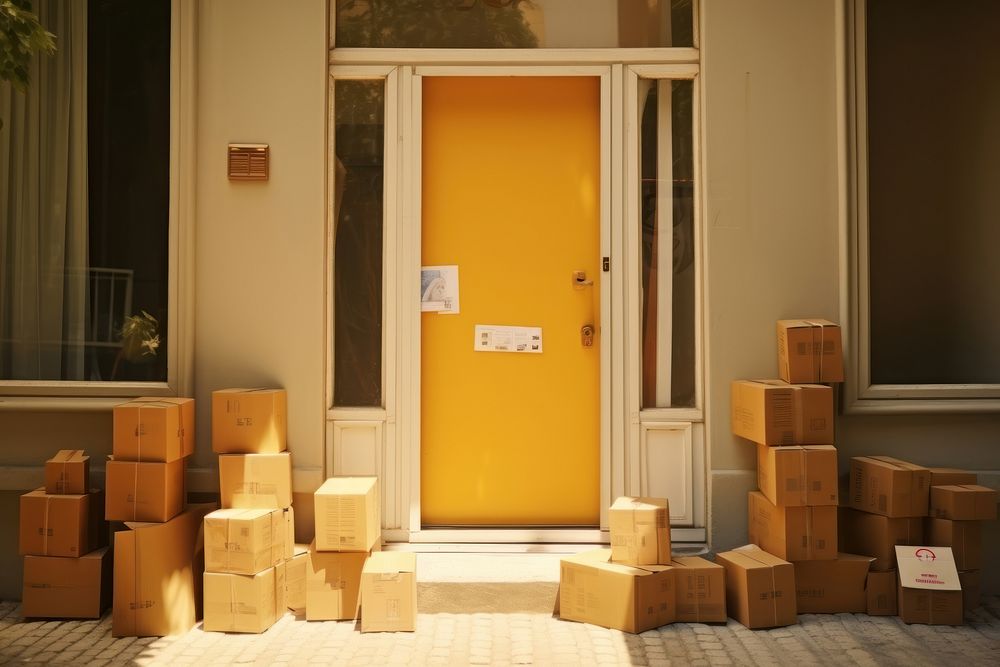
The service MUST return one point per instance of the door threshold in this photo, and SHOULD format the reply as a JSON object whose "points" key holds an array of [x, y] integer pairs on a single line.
{"points": [[493, 536]]}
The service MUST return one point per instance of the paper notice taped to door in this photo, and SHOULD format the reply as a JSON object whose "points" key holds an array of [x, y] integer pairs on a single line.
{"points": [[494, 338]]}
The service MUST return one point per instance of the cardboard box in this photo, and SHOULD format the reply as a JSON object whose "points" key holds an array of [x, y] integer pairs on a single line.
{"points": [[158, 575], [68, 472], [888, 486], [773, 412], [930, 591], [810, 351], [244, 541], [281, 588], [701, 590], [793, 533], [881, 593], [964, 537], [242, 603], [348, 515], [57, 587], [877, 535], [972, 588], [640, 531], [832, 586], [144, 491], [631, 598], [255, 481], [760, 587], [798, 475], [152, 429], [969, 502], [249, 421], [61, 525], [951, 476], [333, 584], [295, 579], [389, 592]]}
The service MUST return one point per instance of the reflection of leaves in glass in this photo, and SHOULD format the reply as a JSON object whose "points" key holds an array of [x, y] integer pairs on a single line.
{"points": [[20, 36]]}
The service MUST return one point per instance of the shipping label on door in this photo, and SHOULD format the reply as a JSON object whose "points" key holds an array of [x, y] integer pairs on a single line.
{"points": [[494, 338]]}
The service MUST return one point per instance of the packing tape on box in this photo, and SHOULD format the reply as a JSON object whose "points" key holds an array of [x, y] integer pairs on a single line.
{"points": [[809, 533], [45, 527], [803, 477], [812, 343]]}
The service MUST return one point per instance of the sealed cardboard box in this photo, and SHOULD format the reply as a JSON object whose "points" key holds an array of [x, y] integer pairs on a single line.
{"points": [[968, 502], [144, 491], [930, 591], [964, 538], [56, 587], [333, 584], [158, 575], [798, 475], [760, 587], [389, 592], [888, 486], [773, 412], [60, 525], [347, 514], [972, 588], [255, 481], [810, 351], [244, 541], [701, 590], [793, 533], [950, 476], [295, 579], [154, 429], [249, 421], [881, 593], [640, 531], [68, 472], [631, 598], [241, 603], [832, 586], [877, 535]]}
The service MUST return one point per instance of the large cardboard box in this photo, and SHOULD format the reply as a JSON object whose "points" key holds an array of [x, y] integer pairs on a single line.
{"points": [[68, 472], [242, 603], [295, 579], [964, 537], [701, 590], [144, 491], [347, 514], [930, 591], [760, 587], [972, 588], [832, 586], [333, 584], [773, 412], [969, 502], [881, 593], [244, 541], [631, 598], [249, 421], [810, 351], [61, 525], [798, 475], [389, 592], [888, 486], [876, 535], [158, 575], [154, 429], [640, 531], [255, 481], [950, 476], [56, 587], [793, 533]]}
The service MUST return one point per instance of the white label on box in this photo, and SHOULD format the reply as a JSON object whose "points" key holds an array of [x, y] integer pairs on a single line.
{"points": [[493, 338], [931, 568]]}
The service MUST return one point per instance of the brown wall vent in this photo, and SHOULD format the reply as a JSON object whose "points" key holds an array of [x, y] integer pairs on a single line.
{"points": [[249, 162]]}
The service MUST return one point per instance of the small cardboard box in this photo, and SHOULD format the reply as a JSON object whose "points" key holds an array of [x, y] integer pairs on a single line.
{"points": [[793, 533], [158, 575], [969, 502], [810, 351], [255, 481], [242, 603], [68, 472], [640, 531], [244, 541], [295, 579], [882, 597], [333, 584], [951, 476], [832, 586], [701, 590], [154, 429], [249, 421], [773, 412], [630, 598], [888, 486], [144, 491], [760, 587], [972, 588], [57, 587], [964, 537], [798, 475], [930, 591], [347, 514], [61, 525], [389, 592], [877, 535]]}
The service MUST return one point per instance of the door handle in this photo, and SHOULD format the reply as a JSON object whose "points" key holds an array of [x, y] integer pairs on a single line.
{"points": [[580, 279], [587, 335]]}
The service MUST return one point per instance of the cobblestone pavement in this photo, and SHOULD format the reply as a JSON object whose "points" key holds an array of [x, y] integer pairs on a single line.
{"points": [[515, 639]]}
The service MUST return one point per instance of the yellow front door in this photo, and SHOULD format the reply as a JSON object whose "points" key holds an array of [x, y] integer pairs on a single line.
{"points": [[511, 196]]}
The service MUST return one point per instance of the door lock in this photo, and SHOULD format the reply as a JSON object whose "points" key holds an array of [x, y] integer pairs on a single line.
{"points": [[587, 335], [580, 279]]}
